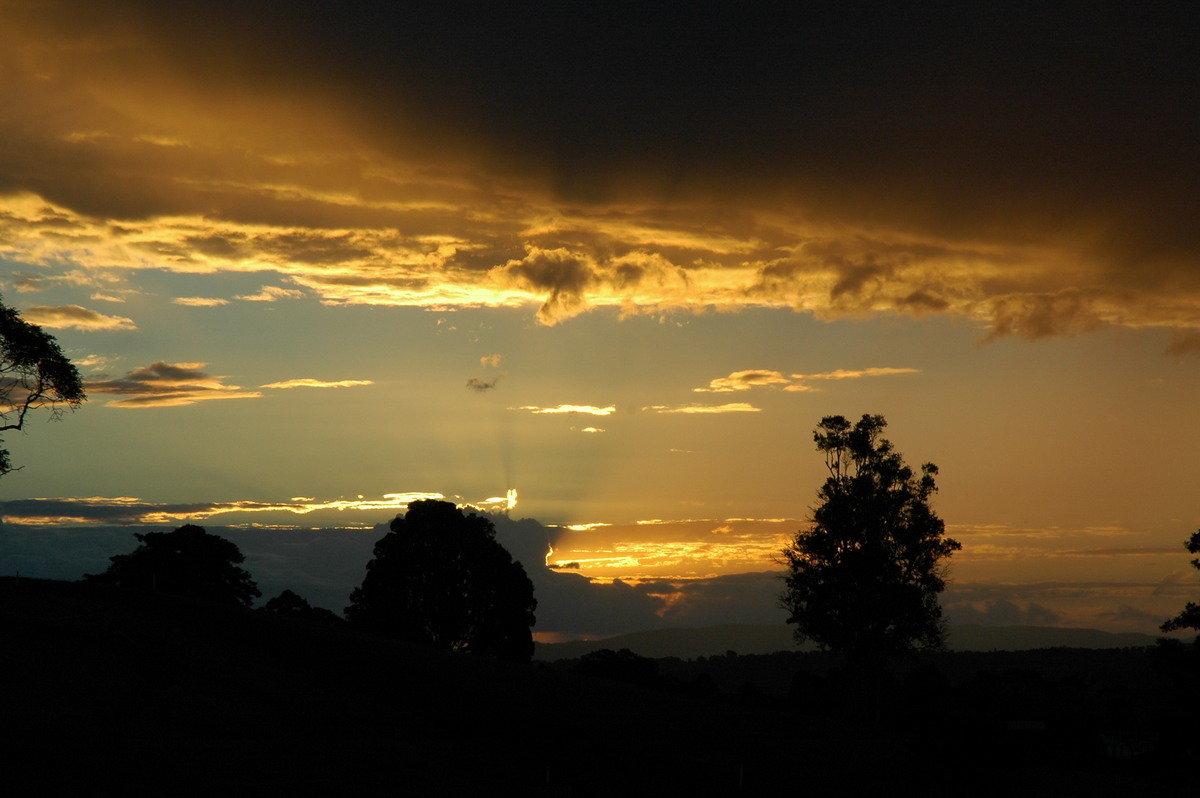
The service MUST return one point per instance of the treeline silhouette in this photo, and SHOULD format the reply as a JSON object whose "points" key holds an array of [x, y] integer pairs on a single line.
{"points": [[156, 676], [438, 577]]}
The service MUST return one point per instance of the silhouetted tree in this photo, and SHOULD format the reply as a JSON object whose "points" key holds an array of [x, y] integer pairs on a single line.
{"points": [[34, 373], [1189, 618], [295, 606], [440, 577], [864, 577], [184, 562]]}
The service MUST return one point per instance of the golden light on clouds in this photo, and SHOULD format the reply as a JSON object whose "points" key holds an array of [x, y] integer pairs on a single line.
{"points": [[796, 383], [454, 264], [664, 549], [587, 410], [226, 166], [272, 293], [74, 316], [744, 381], [307, 382], [696, 409], [132, 510], [200, 302]]}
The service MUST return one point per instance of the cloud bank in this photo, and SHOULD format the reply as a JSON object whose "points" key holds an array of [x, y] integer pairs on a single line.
{"points": [[1034, 179]]}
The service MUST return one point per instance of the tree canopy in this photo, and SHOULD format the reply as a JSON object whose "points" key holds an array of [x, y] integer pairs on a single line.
{"points": [[441, 577], [34, 373], [293, 605], [864, 577], [1189, 617], [184, 562]]}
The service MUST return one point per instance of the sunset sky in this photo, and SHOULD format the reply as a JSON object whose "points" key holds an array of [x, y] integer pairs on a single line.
{"points": [[317, 259]]}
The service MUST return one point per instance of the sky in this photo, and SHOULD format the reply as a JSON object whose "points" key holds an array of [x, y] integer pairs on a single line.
{"points": [[606, 266]]}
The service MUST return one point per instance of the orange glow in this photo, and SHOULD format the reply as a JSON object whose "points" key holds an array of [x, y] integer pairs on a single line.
{"points": [[686, 549]]}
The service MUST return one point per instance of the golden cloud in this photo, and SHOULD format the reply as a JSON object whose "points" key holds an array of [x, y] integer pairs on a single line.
{"points": [[754, 378], [744, 381], [694, 409], [307, 382], [75, 317], [131, 510], [200, 301], [590, 410], [272, 293]]}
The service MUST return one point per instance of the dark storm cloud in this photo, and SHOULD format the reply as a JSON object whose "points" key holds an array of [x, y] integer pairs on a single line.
{"points": [[927, 105], [1030, 167], [100, 510], [562, 275]]}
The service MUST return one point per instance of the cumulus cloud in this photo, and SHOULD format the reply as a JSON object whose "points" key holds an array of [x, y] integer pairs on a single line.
{"points": [[589, 410], [163, 384], [308, 382], [562, 275], [75, 317]]}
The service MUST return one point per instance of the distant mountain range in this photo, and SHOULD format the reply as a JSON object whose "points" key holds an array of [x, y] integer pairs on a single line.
{"points": [[756, 639]]}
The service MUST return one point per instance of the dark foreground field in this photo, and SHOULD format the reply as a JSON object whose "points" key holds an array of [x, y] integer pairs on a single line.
{"points": [[149, 694]]}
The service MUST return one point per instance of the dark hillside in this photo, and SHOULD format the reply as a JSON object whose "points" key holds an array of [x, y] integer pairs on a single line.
{"points": [[155, 693], [149, 694]]}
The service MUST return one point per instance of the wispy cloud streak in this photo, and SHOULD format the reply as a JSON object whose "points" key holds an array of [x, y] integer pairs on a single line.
{"points": [[307, 382], [588, 410], [696, 409], [75, 317], [163, 384]]}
